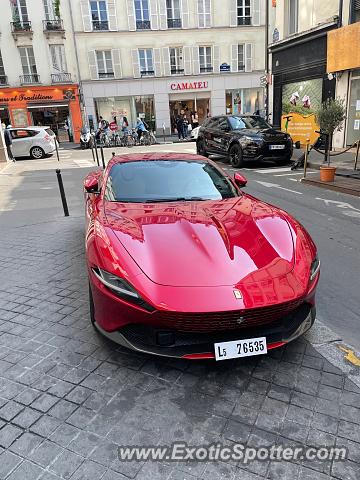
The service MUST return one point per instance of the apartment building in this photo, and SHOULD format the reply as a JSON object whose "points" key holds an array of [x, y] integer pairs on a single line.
{"points": [[38, 74], [158, 58]]}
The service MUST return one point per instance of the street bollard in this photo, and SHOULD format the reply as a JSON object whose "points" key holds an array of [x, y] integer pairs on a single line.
{"points": [[357, 154], [164, 132], [92, 152], [57, 149], [96, 153], [62, 192], [113, 154], [102, 157], [306, 156]]}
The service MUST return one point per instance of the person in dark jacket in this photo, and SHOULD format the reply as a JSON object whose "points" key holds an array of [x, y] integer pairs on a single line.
{"points": [[180, 127], [8, 143]]}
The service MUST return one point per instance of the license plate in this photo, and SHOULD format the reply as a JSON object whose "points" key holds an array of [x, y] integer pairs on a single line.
{"points": [[240, 348], [277, 147]]}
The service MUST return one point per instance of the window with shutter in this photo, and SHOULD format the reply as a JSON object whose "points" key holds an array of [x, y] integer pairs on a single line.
{"points": [[204, 13], [93, 65], [173, 10], [142, 15], [154, 17], [130, 7], [187, 60], [86, 15], [241, 57], [176, 61], [243, 12], [146, 63], [135, 62], [99, 15], [57, 53], [162, 14], [111, 5], [248, 57], [205, 59], [116, 60], [104, 64]]}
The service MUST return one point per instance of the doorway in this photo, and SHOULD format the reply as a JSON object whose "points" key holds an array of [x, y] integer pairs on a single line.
{"points": [[57, 118], [187, 107]]}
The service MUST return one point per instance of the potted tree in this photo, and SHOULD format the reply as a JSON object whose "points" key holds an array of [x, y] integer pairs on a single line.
{"points": [[330, 117]]}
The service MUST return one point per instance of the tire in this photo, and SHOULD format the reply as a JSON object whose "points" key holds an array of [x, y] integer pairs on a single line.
{"points": [[200, 148], [236, 156], [37, 152]]}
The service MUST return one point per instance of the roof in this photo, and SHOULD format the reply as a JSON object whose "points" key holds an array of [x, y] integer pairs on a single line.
{"points": [[134, 157]]}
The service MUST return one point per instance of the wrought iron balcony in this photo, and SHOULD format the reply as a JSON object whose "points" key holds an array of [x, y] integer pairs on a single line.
{"points": [[147, 73], [143, 25], [53, 25], [29, 79], [206, 69], [106, 74], [100, 25], [174, 22], [61, 78], [3, 80], [243, 21], [177, 71], [21, 27]]}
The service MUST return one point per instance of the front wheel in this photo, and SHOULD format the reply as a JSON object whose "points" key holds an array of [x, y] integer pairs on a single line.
{"points": [[37, 152], [236, 156], [200, 148]]}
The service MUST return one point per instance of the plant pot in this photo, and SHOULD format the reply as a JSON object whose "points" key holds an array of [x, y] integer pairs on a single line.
{"points": [[327, 174]]}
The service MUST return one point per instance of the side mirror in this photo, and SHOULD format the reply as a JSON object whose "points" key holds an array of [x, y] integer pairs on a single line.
{"points": [[240, 180], [91, 184]]}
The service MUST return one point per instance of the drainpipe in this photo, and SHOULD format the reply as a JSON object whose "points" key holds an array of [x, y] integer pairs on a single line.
{"points": [[267, 58], [341, 7], [77, 60]]}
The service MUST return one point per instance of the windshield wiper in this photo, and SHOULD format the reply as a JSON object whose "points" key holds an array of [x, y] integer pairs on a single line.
{"points": [[177, 199]]}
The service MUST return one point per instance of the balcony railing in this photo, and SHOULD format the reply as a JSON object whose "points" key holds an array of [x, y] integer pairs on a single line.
{"points": [[53, 25], [106, 74], [61, 78], [206, 69], [177, 71], [21, 27], [244, 21], [29, 79], [143, 25], [174, 23], [147, 73], [100, 25], [3, 80]]}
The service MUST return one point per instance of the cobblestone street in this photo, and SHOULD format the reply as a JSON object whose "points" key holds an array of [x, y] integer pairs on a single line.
{"points": [[69, 398]]}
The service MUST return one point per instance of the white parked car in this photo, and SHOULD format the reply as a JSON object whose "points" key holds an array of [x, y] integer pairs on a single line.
{"points": [[35, 142], [194, 134]]}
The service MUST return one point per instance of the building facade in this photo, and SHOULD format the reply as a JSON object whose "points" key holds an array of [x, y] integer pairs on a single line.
{"points": [[343, 63], [156, 59], [38, 73], [298, 32]]}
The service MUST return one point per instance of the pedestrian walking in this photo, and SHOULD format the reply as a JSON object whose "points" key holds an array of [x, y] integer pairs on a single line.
{"points": [[180, 127], [8, 142], [195, 120], [185, 126]]}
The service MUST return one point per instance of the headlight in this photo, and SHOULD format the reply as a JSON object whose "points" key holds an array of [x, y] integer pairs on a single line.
{"points": [[121, 288], [315, 267]]}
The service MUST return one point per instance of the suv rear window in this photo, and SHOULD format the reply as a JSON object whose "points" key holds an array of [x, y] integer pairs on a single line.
{"points": [[49, 132]]}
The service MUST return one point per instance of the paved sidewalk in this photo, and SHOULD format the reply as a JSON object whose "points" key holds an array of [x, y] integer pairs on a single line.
{"points": [[69, 398]]}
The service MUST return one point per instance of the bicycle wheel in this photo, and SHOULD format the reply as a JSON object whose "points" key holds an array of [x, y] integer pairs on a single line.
{"points": [[130, 141]]}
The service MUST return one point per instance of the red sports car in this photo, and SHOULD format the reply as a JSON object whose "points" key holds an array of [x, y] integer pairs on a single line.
{"points": [[182, 263]]}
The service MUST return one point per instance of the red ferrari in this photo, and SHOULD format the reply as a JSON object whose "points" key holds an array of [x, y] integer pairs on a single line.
{"points": [[182, 263]]}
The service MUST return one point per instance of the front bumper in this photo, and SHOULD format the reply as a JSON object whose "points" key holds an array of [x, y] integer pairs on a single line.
{"points": [[262, 151], [188, 345]]}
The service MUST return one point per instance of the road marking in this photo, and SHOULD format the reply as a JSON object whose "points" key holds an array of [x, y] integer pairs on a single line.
{"points": [[338, 204], [293, 173], [272, 170], [83, 163], [275, 185], [350, 355], [293, 179]]}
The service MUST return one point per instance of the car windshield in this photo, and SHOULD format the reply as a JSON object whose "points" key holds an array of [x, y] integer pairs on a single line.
{"points": [[255, 121], [167, 181]]}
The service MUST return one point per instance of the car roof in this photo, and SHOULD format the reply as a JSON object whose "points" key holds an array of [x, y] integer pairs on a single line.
{"points": [[135, 157], [28, 128]]}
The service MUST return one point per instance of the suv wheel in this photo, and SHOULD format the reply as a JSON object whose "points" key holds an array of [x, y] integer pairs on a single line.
{"points": [[236, 156], [37, 152], [200, 148]]}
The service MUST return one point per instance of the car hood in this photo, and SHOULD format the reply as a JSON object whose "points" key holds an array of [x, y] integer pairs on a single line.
{"points": [[266, 133], [208, 243]]}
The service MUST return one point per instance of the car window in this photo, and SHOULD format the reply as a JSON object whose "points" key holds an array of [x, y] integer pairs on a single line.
{"points": [[161, 180], [255, 122], [223, 123], [18, 134], [213, 123], [49, 132], [237, 123]]}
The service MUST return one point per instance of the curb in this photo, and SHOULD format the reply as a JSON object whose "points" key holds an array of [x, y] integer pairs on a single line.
{"points": [[331, 186]]}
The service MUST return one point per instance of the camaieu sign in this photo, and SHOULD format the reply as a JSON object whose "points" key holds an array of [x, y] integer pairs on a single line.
{"points": [[189, 86]]}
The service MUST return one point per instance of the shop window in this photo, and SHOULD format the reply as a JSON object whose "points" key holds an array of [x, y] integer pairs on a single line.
{"points": [[204, 13], [176, 60], [142, 14], [355, 11], [241, 57], [244, 12], [99, 15], [28, 64], [146, 61], [57, 53], [173, 13], [104, 64], [205, 59], [293, 16]]}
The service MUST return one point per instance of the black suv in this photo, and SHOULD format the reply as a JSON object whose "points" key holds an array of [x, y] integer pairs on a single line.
{"points": [[243, 137]]}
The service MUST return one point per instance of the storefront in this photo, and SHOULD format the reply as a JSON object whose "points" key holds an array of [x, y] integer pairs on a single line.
{"points": [[160, 100], [353, 120], [56, 107], [300, 81], [245, 101]]}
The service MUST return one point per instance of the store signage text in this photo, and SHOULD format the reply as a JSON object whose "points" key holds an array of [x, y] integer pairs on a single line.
{"points": [[189, 85], [24, 98]]}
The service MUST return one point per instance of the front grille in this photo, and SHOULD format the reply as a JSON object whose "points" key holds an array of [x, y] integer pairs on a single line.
{"points": [[229, 320]]}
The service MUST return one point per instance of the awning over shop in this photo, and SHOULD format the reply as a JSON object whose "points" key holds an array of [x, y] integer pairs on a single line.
{"points": [[33, 106], [343, 52]]}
